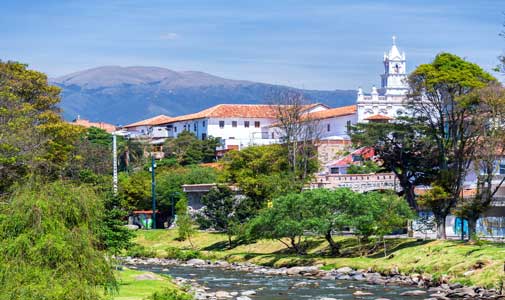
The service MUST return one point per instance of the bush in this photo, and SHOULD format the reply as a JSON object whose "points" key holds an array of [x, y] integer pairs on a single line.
{"points": [[170, 294], [176, 253], [140, 252]]}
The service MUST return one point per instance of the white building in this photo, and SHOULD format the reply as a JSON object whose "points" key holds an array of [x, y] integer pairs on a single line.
{"points": [[388, 101]]}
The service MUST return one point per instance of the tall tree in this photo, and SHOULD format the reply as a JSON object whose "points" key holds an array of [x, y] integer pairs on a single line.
{"points": [[489, 154], [439, 98], [403, 148], [298, 132]]}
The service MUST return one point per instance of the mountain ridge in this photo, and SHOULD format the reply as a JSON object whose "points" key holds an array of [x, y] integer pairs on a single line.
{"points": [[121, 95]]}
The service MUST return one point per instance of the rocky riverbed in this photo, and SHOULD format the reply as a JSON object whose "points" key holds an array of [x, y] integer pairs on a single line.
{"points": [[359, 283]]}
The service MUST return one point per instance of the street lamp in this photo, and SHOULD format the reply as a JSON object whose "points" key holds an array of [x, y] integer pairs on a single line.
{"points": [[153, 190]]}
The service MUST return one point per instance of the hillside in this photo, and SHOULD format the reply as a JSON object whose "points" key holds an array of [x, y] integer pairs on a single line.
{"points": [[121, 95]]}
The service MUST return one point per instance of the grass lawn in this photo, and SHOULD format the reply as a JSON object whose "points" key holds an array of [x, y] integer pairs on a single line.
{"points": [[133, 289], [437, 258]]}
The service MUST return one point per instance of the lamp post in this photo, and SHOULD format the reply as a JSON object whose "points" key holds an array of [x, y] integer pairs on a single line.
{"points": [[153, 191]]}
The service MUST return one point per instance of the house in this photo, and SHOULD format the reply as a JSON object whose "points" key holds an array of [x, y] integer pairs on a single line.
{"points": [[356, 157], [148, 128]]}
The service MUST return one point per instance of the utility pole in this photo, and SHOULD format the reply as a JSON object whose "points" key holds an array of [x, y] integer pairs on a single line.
{"points": [[153, 190], [114, 164]]}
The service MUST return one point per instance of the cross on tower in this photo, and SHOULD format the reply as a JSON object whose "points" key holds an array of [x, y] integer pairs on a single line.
{"points": [[394, 40]]}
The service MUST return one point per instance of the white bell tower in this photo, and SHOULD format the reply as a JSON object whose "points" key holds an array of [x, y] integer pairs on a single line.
{"points": [[394, 79]]}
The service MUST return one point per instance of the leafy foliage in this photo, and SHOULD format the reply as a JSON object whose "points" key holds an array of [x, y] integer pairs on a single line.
{"points": [[368, 167], [187, 149], [184, 222], [49, 244]]}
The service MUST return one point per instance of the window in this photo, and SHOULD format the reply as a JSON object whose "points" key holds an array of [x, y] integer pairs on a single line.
{"points": [[203, 123], [257, 124], [204, 136], [194, 126], [273, 135], [334, 171], [233, 123], [328, 127], [348, 126], [175, 128], [221, 124], [246, 124], [231, 138]]}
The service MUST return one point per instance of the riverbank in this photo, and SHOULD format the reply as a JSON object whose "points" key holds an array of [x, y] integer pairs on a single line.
{"points": [[446, 261], [139, 285]]}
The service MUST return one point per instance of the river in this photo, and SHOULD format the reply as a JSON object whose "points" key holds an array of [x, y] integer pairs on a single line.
{"points": [[281, 287]]}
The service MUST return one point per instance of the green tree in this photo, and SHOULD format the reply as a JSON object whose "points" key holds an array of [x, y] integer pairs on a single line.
{"points": [[225, 211], [403, 148], [49, 244], [331, 211], [185, 226], [286, 219], [441, 98], [261, 172], [187, 149], [33, 137]]}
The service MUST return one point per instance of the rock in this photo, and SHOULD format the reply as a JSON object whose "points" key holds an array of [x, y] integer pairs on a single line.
{"points": [[344, 270], [361, 293], [248, 293], [196, 262], [439, 296], [413, 293], [468, 273], [132, 227], [303, 271], [344, 277], [327, 298], [146, 276], [234, 294], [359, 277], [243, 298], [223, 295]]}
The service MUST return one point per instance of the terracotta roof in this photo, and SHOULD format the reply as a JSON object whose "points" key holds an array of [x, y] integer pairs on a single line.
{"points": [[334, 112], [161, 119], [365, 152], [378, 117], [86, 123], [233, 110]]}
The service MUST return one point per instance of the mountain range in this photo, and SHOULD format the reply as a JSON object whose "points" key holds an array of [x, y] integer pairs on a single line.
{"points": [[121, 95]]}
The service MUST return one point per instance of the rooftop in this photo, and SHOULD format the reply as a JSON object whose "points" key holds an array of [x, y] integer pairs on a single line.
{"points": [[334, 112], [87, 123], [161, 119]]}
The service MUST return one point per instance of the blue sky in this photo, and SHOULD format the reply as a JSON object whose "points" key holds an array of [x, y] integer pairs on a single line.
{"points": [[318, 44]]}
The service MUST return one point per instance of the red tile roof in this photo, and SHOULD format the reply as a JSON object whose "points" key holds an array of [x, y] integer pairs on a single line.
{"points": [[233, 110], [334, 112], [365, 152], [86, 123], [161, 119], [378, 117]]}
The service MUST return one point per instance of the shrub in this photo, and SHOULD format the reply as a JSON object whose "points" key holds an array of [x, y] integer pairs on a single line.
{"points": [[176, 253], [140, 252], [170, 294]]}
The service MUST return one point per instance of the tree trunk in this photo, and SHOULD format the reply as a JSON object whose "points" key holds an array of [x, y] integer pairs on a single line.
{"points": [[472, 228], [334, 247], [441, 234], [229, 241], [296, 246]]}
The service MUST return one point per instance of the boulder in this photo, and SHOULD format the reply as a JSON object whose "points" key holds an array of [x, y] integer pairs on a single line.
{"points": [[248, 293], [413, 293], [344, 270], [243, 298], [223, 295], [196, 262]]}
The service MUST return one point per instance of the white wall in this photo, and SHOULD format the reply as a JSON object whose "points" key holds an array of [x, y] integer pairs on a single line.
{"points": [[338, 126]]}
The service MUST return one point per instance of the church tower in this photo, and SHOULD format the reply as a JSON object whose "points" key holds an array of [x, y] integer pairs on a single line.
{"points": [[394, 79], [387, 102]]}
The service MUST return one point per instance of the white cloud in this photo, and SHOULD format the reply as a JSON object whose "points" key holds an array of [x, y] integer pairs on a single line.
{"points": [[170, 36]]}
